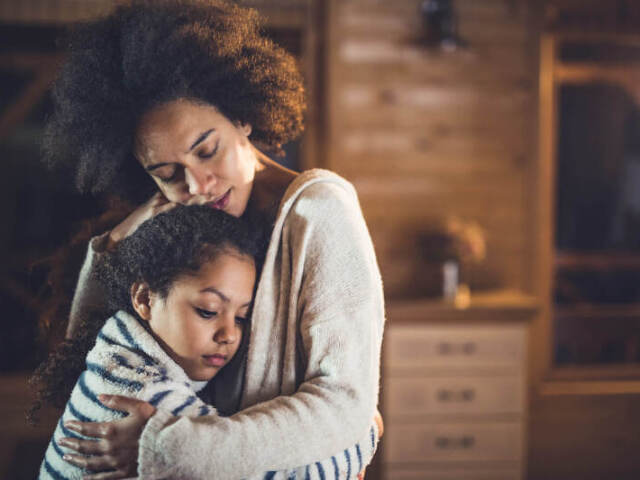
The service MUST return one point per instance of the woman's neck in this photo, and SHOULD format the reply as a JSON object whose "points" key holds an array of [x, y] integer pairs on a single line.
{"points": [[269, 186]]}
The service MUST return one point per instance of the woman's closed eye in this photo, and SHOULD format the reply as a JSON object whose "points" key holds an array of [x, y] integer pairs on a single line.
{"points": [[204, 154], [171, 178], [205, 313]]}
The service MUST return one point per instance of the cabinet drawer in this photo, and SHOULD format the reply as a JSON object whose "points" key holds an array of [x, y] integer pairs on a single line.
{"points": [[437, 442], [452, 395], [453, 474], [456, 345]]}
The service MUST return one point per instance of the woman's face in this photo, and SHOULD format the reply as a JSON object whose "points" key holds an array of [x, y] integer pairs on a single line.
{"points": [[200, 322], [196, 155]]}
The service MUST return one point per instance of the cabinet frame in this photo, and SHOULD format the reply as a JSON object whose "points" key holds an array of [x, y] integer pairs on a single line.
{"points": [[548, 379]]}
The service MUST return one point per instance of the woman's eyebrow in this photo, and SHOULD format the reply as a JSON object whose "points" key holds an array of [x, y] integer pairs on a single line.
{"points": [[151, 168], [200, 139]]}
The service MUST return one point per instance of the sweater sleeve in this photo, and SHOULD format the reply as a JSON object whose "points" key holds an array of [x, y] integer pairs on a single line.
{"points": [[341, 316], [88, 296]]}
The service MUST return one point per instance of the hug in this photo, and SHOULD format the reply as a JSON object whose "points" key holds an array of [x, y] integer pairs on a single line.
{"points": [[233, 319]]}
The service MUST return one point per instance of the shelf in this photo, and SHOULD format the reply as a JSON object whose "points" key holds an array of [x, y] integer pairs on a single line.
{"points": [[601, 260], [602, 387], [598, 311], [610, 379], [597, 372], [496, 305]]}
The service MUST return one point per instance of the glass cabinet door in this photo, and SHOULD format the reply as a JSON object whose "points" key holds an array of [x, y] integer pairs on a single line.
{"points": [[596, 269]]}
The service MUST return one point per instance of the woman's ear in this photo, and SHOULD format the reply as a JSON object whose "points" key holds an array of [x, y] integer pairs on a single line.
{"points": [[141, 300], [245, 128]]}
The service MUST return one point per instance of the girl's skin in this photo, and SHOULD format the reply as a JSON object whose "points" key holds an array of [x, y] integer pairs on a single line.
{"points": [[199, 323], [196, 156]]}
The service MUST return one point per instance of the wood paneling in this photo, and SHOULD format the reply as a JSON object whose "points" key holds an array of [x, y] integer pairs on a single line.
{"points": [[425, 135]]}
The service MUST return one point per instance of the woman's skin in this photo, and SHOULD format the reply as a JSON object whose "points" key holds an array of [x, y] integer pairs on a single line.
{"points": [[196, 156]]}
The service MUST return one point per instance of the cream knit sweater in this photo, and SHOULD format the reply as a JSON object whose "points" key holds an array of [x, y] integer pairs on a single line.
{"points": [[312, 371]]}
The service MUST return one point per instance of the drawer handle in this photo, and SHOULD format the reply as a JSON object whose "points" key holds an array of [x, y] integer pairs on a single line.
{"points": [[466, 442], [465, 395], [469, 348], [466, 348]]}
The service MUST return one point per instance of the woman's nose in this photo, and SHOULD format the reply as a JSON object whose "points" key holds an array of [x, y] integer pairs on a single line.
{"points": [[199, 181], [227, 332]]}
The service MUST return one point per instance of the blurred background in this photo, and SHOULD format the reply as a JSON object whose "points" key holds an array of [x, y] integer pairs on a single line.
{"points": [[495, 147]]}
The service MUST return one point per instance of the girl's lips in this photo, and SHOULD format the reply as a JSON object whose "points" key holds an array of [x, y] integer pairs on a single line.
{"points": [[216, 360], [222, 202]]}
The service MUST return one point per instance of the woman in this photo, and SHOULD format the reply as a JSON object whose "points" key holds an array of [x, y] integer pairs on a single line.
{"points": [[180, 92]]}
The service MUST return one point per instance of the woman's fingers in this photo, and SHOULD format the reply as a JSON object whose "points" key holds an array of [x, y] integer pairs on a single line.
{"points": [[107, 475], [156, 204], [378, 419], [104, 430], [97, 464], [87, 447], [163, 208], [116, 449], [132, 406]]}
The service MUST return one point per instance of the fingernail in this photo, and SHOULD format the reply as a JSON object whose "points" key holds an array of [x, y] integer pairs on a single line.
{"points": [[106, 399], [64, 442]]}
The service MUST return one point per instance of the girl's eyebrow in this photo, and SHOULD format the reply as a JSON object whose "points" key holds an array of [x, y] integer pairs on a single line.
{"points": [[216, 291], [221, 295], [203, 136]]}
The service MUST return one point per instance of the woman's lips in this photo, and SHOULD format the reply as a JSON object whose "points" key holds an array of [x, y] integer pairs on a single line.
{"points": [[222, 202], [216, 360]]}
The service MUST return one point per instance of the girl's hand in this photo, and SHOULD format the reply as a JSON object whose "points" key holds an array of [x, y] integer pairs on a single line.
{"points": [[155, 205], [116, 446]]}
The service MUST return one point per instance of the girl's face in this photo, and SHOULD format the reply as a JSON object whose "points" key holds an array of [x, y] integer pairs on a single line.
{"points": [[196, 155], [201, 320]]}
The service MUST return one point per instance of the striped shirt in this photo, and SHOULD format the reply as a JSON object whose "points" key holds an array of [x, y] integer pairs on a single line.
{"points": [[126, 360]]}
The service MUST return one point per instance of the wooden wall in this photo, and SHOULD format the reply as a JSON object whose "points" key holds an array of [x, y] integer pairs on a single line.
{"points": [[426, 134]]}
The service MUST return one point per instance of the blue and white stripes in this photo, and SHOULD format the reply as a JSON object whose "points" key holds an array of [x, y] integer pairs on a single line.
{"points": [[126, 360], [342, 466]]}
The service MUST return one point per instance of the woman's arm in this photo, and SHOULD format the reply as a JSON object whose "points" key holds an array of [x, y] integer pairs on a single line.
{"points": [[341, 313], [89, 295]]}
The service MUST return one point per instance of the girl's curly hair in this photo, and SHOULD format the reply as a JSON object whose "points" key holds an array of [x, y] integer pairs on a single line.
{"points": [[148, 52], [162, 250]]}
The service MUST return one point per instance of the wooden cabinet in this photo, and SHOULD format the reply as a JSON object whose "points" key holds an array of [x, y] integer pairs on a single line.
{"points": [[454, 389]]}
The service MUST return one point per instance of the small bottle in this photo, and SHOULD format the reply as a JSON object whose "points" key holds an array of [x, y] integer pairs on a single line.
{"points": [[450, 278]]}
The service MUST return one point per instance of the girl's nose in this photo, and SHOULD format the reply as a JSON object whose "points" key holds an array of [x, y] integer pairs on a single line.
{"points": [[227, 333], [199, 181]]}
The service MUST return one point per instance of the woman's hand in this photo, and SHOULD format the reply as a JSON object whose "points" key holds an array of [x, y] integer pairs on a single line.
{"points": [[155, 205], [378, 419], [116, 446]]}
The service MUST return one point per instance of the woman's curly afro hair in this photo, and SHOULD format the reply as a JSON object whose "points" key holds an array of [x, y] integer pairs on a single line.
{"points": [[162, 250], [148, 52]]}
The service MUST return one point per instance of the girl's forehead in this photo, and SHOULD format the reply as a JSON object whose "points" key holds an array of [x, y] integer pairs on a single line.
{"points": [[230, 274]]}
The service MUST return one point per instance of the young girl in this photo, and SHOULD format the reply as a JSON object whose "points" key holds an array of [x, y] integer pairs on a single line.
{"points": [[181, 287]]}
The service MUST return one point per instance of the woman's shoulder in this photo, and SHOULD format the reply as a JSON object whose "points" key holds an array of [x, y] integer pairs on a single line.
{"points": [[318, 192]]}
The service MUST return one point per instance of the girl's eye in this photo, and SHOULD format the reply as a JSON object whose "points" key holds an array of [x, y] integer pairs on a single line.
{"points": [[241, 321], [205, 313]]}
